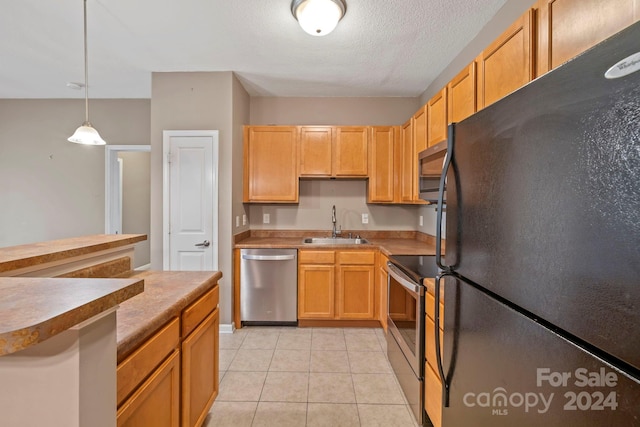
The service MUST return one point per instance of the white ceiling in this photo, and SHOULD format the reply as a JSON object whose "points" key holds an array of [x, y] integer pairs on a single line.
{"points": [[380, 48]]}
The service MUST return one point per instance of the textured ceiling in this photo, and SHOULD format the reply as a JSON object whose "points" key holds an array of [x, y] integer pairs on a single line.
{"points": [[380, 48]]}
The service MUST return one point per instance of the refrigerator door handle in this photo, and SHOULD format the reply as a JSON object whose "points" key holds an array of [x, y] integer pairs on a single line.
{"points": [[445, 380], [441, 189]]}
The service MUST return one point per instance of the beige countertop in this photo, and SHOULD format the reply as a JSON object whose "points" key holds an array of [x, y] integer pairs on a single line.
{"points": [[166, 294], [21, 256], [35, 309], [389, 243]]}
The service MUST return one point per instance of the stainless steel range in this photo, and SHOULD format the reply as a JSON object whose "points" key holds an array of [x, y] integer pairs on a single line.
{"points": [[406, 317]]}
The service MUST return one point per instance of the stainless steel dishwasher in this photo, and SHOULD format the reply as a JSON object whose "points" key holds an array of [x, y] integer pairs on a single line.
{"points": [[269, 286]]}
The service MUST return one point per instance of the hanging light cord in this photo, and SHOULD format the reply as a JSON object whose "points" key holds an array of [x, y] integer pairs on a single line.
{"points": [[86, 68]]}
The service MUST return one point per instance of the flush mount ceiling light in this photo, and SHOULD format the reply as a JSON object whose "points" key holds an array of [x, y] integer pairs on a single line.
{"points": [[86, 134], [318, 17]]}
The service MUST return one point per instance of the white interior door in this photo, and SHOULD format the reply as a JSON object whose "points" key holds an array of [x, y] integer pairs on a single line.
{"points": [[191, 200]]}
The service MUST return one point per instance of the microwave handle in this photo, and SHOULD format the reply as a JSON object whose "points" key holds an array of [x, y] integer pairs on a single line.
{"points": [[443, 180]]}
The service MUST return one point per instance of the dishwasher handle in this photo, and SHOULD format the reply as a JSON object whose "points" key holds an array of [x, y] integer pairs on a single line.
{"points": [[268, 257]]}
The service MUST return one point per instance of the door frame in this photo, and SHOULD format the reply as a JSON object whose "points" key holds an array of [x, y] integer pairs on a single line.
{"points": [[113, 180], [166, 185]]}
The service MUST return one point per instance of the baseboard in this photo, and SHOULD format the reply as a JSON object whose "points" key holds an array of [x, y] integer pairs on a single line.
{"points": [[143, 267], [226, 328]]}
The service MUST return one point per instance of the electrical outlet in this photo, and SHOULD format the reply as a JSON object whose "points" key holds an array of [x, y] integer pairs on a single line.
{"points": [[365, 218], [244, 219], [421, 220], [266, 218], [237, 221]]}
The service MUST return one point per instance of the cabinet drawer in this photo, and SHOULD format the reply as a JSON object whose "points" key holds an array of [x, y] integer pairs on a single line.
{"points": [[433, 396], [357, 258], [316, 257], [135, 368], [196, 312], [430, 308]]}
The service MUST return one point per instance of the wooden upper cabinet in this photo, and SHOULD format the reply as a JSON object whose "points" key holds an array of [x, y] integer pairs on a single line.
{"points": [[569, 27], [350, 150], [461, 94], [437, 118], [507, 64], [420, 129], [407, 168], [334, 151], [315, 150], [383, 155], [271, 164]]}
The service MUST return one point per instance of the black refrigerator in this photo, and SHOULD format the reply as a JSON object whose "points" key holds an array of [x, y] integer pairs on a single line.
{"points": [[542, 266]]}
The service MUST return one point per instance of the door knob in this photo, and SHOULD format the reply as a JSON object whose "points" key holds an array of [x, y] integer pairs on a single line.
{"points": [[204, 244]]}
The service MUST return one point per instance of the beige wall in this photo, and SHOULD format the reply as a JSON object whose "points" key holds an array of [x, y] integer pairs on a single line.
{"points": [[136, 200], [52, 188], [332, 111], [200, 101]]}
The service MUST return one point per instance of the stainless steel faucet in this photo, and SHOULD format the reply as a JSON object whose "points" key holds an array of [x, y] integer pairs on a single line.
{"points": [[334, 233]]}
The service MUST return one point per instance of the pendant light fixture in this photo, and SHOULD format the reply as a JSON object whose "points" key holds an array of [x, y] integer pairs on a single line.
{"points": [[86, 134], [318, 17]]}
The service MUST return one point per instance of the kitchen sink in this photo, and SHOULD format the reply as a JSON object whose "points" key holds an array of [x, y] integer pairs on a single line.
{"points": [[334, 241]]}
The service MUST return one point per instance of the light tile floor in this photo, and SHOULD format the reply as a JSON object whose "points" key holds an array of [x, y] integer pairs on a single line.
{"points": [[307, 377]]}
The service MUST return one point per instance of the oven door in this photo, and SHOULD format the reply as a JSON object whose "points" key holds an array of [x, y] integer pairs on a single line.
{"points": [[406, 316]]}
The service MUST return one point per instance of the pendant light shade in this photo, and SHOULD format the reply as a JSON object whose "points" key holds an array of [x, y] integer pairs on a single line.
{"points": [[86, 134], [318, 17]]}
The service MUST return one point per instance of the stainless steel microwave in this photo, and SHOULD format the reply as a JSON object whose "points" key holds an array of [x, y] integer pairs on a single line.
{"points": [[430, 163]]}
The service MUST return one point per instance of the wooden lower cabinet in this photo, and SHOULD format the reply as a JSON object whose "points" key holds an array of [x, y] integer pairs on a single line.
{"points": [[356, 291], [200, 371], [316, 292], [336, 285], [157, 401], [172, 378], [432, 382]]}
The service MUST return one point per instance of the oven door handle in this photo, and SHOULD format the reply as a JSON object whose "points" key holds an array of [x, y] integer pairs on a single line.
{"points": [[404, 280]]}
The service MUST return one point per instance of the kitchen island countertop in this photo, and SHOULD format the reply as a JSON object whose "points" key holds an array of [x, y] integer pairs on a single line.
{"points": [[33, 310], [166, 294]]}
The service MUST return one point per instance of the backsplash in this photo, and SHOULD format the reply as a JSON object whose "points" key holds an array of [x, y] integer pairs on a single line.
{"points": [[317, 197]]}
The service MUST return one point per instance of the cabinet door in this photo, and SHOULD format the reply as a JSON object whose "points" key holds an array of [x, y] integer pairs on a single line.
{"points": [[461, 94], [569, 27], [381, 164], [157, 401], [356, 292], [507, 64], [316, 291], [350, 151], [408, 169], [437, 118], [420, 132], [200, 371], [315, 150], [271, 164]]}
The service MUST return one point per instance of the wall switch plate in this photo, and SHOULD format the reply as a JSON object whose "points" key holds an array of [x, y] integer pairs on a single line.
{"points": [[244, 219], [266, 218], [365, 218], [421, 220], [237, 221]]}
